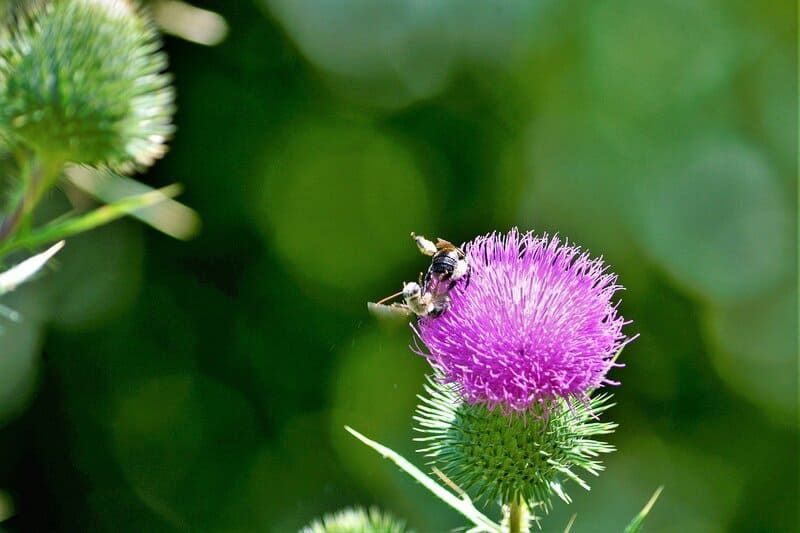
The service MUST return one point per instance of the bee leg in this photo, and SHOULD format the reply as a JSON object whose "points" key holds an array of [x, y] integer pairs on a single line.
{"points": [[455, 279], [426, 281], [439, 308], [452, 283]]}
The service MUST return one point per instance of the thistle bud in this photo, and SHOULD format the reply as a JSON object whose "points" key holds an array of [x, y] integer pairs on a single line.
{"points": [[356, 521], [512, 457], [82, 81]]}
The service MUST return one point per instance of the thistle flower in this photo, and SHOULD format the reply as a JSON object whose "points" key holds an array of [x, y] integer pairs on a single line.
{"points": [[536, 324], [356, 521], [82, 81]]}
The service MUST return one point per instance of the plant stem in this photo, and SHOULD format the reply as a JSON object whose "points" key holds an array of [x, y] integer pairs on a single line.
{"points": [[102, 215], [517, 517], [37, 177], [12, 221]]}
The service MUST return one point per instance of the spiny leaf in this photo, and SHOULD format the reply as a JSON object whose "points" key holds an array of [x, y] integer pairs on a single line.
{"points": [[463, 505]]}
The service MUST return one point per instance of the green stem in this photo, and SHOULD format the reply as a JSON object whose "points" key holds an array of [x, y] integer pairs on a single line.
{"points": [[10, 224], [102, 215], [37, 176], [517, 517]]}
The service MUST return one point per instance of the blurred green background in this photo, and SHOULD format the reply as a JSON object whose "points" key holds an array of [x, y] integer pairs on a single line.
{"points": [[156, 385]]}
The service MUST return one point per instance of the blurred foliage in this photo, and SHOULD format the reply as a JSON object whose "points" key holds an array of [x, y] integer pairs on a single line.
{"points": [[155, 385]]}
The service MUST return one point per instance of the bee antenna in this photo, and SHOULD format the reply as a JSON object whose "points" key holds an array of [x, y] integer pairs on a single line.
{"points": [[395, 295]]}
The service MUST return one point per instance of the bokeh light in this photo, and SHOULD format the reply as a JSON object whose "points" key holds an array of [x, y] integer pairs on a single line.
{"points": [[364, 183]]}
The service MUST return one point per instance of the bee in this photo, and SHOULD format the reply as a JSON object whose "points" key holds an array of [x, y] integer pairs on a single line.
{"points": [[448, 263], [430, 296]]}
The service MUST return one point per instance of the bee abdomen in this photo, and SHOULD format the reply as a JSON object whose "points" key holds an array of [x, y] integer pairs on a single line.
{"points": [[443, 264]]}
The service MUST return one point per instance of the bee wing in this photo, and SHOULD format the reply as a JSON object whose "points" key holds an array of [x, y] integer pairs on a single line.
{"points": [[388, 311], [443, 245]]}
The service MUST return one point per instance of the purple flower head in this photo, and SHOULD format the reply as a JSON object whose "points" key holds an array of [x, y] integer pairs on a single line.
{"points": [[535, 323]]}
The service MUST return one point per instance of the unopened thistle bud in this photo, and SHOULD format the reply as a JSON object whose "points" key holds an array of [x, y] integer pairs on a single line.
{"points": [[356, 521], [83, 81], [496, 457]]}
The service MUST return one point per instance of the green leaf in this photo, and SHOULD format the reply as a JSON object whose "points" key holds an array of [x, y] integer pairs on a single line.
{"points": [[463, 504], [188, 22], [169, 217], [636, 524], [102, 215], [570, 523], [11, 278]]}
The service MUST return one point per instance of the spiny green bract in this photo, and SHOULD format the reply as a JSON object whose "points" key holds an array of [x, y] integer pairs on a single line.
{"points": [[82, 81], [356, 521], [510, 458]]}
